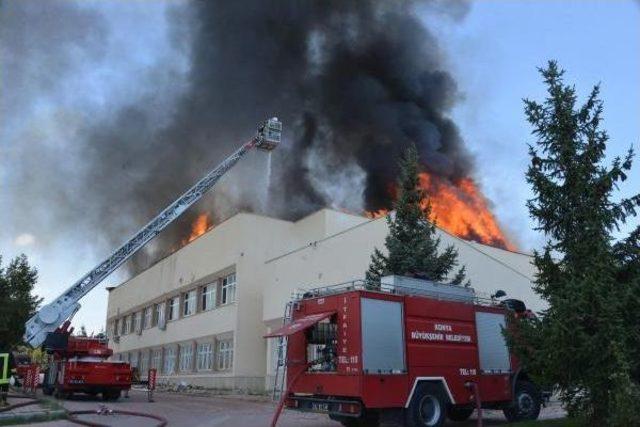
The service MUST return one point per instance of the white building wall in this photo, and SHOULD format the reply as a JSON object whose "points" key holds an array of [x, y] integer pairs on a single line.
{"points": [[272, 258]]}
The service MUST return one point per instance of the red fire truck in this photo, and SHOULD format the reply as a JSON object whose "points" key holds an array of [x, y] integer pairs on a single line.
{"points": [[81, 365], [412, 349]]}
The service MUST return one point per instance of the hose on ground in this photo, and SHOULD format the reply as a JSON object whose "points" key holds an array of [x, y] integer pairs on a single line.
{"points": [[32, 401], [72, 414], [72, 417]]}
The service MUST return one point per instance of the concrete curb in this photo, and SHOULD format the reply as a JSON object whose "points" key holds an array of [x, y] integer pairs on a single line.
{"points": [[31, 417]]}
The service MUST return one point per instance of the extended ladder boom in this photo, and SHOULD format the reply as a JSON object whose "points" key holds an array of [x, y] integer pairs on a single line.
{"points": [[49, 317]]}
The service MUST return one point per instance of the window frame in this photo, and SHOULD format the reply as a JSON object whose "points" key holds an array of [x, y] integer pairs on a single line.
{"points": [[202, 357], [228, 288], [172, 307], [169, 356], [189, 301], [186, 358], [224, 359], [147, 317], [208, 296]]}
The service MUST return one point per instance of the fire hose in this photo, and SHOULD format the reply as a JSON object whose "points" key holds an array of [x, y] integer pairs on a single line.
{"points": [[72, 415], [283, 397], [105, 411]]}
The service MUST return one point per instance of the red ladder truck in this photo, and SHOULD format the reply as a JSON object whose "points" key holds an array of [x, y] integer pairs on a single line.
{"points": [[81, 364], [410, 349]]}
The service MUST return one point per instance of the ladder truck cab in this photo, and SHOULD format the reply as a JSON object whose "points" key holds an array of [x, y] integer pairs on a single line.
{"points": [[81, 365], [409, 349]]}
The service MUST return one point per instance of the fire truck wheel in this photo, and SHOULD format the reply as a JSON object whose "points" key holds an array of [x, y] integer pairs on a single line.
{"points": [[457, 413], [428, 407], [111, 394], [526, 403]]}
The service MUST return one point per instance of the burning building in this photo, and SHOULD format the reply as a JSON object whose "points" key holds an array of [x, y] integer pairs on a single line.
{"points": [[199, 314]]}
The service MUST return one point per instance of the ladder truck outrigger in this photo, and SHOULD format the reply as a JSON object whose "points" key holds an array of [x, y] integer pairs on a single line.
{"points": [[79, 364]]}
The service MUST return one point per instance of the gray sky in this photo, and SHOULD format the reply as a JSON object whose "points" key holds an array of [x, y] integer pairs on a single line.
{"points": [[493, 52]]}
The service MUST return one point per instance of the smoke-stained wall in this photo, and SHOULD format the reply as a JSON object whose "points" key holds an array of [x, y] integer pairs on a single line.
{"points": [[354, 83]]}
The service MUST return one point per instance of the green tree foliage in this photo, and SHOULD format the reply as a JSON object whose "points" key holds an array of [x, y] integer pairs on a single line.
{"points": [[17, 304], [412, 244], [583, 342]]}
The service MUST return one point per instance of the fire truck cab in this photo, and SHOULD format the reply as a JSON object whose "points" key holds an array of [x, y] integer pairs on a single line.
{"points": [[413, 349]]}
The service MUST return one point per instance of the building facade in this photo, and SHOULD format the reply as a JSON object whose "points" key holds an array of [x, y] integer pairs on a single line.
{"points": [[199, 315]]}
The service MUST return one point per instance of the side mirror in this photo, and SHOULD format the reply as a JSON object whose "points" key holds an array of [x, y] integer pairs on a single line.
{"points": [[499, 294]]}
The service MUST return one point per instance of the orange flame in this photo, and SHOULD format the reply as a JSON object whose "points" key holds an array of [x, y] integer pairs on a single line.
{"points": [[461, 209], [201, 225]]}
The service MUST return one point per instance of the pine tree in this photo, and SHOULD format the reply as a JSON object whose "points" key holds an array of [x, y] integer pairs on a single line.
{"points": [[581, 342], [18, 303], [412, 244]]}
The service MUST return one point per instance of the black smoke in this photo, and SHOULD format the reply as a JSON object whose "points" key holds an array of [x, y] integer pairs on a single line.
{"points": [[354, 82]]}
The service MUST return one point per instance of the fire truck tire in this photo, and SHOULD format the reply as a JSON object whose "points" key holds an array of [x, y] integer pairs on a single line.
{"points": [[111, 395], [459, 413], [526, 403], [428, 407]]}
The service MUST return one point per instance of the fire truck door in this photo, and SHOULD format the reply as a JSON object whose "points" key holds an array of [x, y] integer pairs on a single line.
{"points": [[382, 336], [493, 354]]}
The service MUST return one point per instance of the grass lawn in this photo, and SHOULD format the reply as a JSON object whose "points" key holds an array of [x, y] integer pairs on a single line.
{"points": [[564, 422]]}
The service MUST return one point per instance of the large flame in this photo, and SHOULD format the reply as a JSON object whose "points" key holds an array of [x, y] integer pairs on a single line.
{"points": [[461, 209], [201, 225]]}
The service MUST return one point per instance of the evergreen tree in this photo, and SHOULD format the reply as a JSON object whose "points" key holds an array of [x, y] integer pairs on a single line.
{"points": [[581, 342], [18, 303], [412, 244]]}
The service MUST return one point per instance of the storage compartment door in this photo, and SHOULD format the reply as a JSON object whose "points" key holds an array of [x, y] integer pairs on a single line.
{"points": [[382, 337], [492, 345]]}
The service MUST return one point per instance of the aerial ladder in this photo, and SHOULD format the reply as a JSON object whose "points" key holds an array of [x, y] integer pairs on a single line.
{"points": [[63, 308]]}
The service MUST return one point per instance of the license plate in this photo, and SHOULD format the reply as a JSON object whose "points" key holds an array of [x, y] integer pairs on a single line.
{"points": [[319, 407]]}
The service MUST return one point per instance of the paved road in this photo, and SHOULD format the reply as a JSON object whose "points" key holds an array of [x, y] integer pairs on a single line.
{"points": [[182, 410]]}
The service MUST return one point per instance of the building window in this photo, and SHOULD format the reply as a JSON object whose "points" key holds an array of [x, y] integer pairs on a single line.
{"points": [[186, 357], [156, 359], [228, 289], [116, 329], [137, 321], [189, 303], [127, 325], [225, 355], [148, 316], [209, 296], [174, 307], [169, 361], [205, 356], [143, 365], [160, 312], [133, 359]]}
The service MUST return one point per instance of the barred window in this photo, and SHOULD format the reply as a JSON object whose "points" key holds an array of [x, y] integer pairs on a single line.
{"points": [[143, 364], [205, 356], [186, 357], [156, 359], [228, 289], [209, 296], [133, 359], [169, 361], [225, 355]]}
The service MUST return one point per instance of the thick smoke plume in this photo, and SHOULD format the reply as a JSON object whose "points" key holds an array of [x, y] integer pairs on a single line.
{"points": [[354, 82]]}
